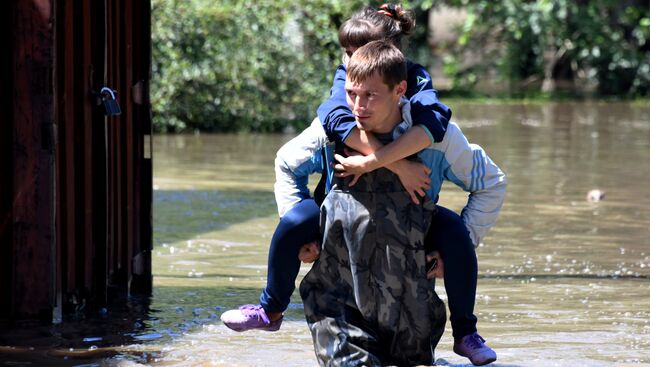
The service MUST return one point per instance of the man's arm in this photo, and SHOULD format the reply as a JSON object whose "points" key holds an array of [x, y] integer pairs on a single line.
{"points": [[470, 168]]}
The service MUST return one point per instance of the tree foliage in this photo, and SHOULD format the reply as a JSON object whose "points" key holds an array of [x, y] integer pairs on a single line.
{"points": [[600, 43], [240, 65], [266, 65], [244, 65]]}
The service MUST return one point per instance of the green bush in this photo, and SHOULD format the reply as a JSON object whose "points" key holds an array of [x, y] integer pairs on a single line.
{"points": [[266, 65], [603, 43], [238, 65], [243, 65]]}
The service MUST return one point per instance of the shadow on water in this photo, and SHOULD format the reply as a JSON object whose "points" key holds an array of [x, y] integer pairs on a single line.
{"points": [[131, 331], [180, 215], [125, 328], [81, 338]]}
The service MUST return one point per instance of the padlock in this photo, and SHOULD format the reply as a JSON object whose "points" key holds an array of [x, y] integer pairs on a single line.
{"points": [[111, 106]]}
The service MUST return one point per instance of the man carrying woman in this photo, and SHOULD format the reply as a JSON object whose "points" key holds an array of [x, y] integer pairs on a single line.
{"points": [[450, 234]]}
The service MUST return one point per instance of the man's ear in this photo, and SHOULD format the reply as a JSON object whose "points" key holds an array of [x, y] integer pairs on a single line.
{"points": [[400, 88]]}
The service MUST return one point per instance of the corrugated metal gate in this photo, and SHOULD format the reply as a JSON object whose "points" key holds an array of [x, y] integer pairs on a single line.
{"points": [[75, 200]]}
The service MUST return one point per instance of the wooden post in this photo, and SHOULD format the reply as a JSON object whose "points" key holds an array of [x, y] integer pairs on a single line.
{"points": [[33, 159], [6, 153]]}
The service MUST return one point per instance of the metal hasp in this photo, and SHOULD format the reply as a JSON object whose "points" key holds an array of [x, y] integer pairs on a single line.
{"points": [[75, 190]]}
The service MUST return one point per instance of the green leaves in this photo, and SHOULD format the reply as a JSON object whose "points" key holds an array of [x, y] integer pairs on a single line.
{"points": [[601, 42], [247, 65], [266, 65], [238, 65]]}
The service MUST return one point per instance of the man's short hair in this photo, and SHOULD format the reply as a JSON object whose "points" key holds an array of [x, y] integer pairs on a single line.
{"points": [[381, 57]]}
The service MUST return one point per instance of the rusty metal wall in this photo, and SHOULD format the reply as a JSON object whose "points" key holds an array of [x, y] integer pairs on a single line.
{"points": [[75, 200]]}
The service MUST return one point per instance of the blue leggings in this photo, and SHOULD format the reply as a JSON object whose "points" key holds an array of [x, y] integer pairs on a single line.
{"points": [[447, 234], [298, 226]]}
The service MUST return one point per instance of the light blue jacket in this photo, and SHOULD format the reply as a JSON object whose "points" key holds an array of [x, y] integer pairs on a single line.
{"points": [[453, 159]]}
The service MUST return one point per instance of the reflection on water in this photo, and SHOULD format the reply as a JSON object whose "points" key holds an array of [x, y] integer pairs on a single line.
{"points": [[562, 280]]}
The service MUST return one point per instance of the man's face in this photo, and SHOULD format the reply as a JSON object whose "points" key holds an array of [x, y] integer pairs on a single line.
{"points": [[374, 105]]}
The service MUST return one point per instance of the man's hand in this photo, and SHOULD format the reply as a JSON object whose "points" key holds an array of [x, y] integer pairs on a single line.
{"points": [[435, 266], [414, 177], [309, 252], [355, 165]]}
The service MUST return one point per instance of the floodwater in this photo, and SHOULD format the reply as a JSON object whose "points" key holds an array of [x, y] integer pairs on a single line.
{"points": [[563, 281]]}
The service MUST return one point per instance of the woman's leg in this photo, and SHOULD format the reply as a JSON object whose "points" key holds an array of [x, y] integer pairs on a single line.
{"points": [[298, 226], [449, 235]]}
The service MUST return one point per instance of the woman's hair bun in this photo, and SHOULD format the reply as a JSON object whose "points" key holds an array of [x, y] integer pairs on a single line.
{"points": [[404, 17]]}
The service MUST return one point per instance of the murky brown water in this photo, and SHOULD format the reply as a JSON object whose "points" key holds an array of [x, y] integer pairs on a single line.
{"points": [[562, 281]]}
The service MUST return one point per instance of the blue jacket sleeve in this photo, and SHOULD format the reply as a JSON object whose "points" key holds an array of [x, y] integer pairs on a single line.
{"points": [[334, 114], [426, 109]]}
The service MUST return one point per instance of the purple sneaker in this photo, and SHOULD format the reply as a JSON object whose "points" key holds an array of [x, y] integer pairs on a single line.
{"points": [[249, 317], [473, 347]]}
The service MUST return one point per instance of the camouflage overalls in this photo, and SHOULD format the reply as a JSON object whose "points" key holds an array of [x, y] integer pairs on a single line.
{"points": [[367, 299]]}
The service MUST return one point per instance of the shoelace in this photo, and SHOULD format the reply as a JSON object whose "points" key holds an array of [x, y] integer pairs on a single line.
{"points": [[255, 311], [475, 341]]}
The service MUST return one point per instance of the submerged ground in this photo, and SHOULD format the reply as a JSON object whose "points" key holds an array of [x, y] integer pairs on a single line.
{"points": [[563, 281]]}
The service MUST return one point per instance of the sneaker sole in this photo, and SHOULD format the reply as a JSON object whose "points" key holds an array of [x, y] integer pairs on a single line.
{"points": [[242, 329], [485, 362]]}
